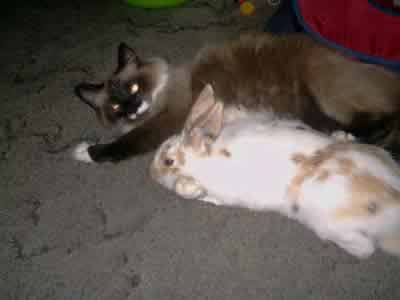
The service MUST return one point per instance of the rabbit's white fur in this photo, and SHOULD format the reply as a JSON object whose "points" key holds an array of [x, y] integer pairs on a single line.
{"points": [[345, 192]]}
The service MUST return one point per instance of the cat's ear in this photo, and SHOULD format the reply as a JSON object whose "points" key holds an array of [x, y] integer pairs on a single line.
{"points": [[90, 93], [205, 125], [126, 55]]}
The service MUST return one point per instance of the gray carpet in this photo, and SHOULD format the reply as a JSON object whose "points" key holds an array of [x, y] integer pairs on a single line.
{"points": [[74, 231]]}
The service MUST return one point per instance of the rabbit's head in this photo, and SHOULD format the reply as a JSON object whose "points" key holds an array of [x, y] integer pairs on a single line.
{"points": [[202, 127]]}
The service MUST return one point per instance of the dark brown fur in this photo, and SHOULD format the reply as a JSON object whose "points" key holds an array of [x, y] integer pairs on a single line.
{"points": [[292, 75]]}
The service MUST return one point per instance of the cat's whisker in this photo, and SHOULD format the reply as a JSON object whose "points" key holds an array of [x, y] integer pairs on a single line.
{"points": [[143, 107]]}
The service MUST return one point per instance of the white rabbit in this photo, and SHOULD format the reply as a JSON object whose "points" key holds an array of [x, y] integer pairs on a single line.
{"points": [[346, 192]]}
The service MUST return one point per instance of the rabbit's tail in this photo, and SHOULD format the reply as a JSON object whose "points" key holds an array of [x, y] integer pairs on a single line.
{"points": [[391, 244]]}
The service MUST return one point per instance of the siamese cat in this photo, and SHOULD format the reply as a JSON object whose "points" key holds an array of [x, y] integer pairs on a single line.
{"points": [[291, 76]]}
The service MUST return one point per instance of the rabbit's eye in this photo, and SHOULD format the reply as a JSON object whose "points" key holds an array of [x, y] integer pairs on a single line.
{"points": [[168, 162]]}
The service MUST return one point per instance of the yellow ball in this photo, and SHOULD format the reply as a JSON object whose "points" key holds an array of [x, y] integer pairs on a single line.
{"points": [[247, 8]]}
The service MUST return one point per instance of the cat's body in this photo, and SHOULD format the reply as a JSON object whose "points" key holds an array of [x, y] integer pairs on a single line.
{"points": [[346, 192], [291, 76]]}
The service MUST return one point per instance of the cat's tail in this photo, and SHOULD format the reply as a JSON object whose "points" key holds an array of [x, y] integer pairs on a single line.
{"points": [[391, 244]]}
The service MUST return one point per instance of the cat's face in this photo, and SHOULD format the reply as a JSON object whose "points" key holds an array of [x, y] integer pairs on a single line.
{"points": [[130, 92]]}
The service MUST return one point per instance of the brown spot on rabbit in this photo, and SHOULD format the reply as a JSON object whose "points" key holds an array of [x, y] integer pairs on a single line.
{"points": [[180, 156], [307, 167], [369, 194], [225, 152], [346, 165], [323, 175], [310, 166], [298, 158]]}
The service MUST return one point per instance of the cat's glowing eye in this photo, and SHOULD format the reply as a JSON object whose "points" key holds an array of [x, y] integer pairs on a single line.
{"points": [[115, 107], [134, 88], [168, 162]]}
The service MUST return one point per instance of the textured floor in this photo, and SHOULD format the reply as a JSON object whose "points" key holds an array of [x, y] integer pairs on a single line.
{"points": [[75, 231]]}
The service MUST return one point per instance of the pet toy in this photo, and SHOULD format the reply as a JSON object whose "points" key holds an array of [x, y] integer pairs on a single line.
{"points": [[246, 7]]}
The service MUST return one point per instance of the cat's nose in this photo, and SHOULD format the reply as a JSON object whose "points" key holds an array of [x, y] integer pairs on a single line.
{"points": [[114, 84]]}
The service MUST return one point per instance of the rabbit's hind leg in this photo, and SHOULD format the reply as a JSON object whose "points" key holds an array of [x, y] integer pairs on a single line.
{"points": [[391, 244]]}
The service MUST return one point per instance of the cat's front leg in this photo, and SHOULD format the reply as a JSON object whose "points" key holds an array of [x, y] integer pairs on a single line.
{"points": [[140, 140], [113, 152], [81, 152]]}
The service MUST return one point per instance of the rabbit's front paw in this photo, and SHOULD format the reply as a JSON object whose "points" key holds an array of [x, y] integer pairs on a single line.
{"points": [[357, 244], [188, 188], [343, 136]]}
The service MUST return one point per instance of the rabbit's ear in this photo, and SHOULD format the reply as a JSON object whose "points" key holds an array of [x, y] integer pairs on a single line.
{"points": [[206, 128], [211, 124], [202, 105]]}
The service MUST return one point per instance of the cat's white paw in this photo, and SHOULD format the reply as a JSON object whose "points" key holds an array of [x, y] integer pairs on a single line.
{"points": [[81, 152], [343, 136]]}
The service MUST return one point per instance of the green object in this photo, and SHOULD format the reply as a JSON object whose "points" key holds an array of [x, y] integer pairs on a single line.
{"points": [[155, 3]]}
